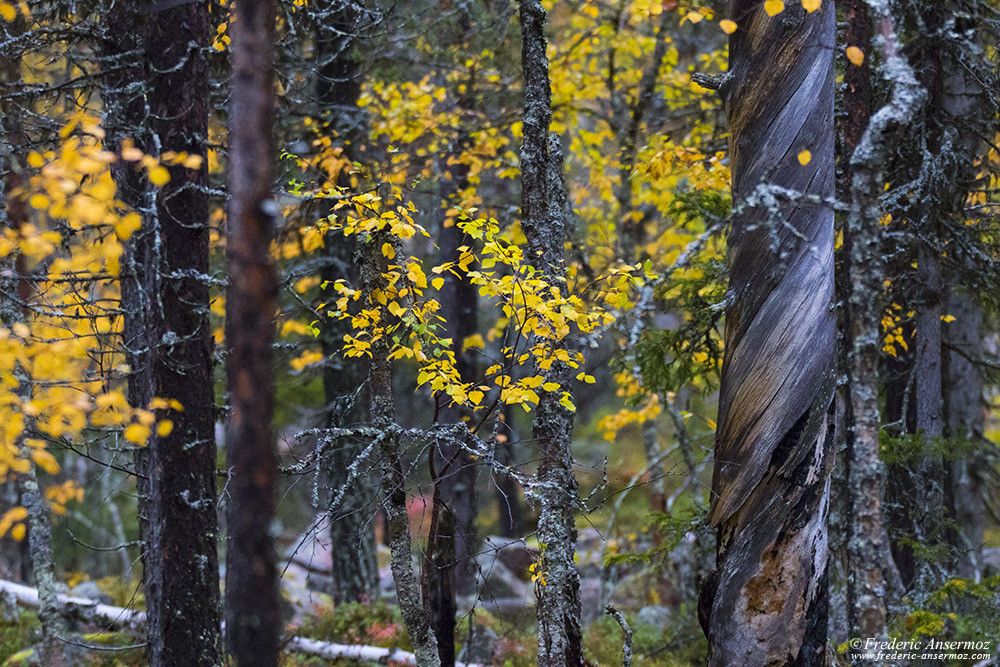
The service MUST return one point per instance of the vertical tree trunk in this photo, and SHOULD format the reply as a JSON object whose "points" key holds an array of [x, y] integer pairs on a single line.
{"points": [[766, 601], [181, 568], [159, 99], [39, 537], [866, 543], [382, 413], [964, 422], [354, 567], [253, 622], [450, 560], [964, 106], [543, 221]]}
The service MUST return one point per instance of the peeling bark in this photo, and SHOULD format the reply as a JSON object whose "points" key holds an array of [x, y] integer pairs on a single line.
{"points": [[766, 602], [253, 619], [543, 221]]}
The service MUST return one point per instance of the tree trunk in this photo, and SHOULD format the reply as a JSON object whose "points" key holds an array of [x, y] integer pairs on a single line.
{"points": [[450, 560], [865, 546], [543, 221], [766, 602], [964, 423], [165, 296], [253, 623], [12, 310], [354, 567], [382, 413]]}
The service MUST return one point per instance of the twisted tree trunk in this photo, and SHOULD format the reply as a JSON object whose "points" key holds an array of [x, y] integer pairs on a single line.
{"points": [[253, 621], [766, 602], [543, 221]]}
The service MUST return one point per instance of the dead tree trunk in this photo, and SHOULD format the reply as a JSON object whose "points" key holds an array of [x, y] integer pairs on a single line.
{"points": [[253, 622], [766, 601], [543, 221], [964, 422]]}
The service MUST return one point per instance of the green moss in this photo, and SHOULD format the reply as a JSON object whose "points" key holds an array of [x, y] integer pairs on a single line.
{"points": [[16, 636]]}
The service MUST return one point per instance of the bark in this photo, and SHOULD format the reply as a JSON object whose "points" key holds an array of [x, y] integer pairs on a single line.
{"points": [[382, 413], [160, 100], [964, 423], [964, 415], [354, 567], [450, 560], [40, 544], [766, 602], [39, 535], [866, 546], [939, 157], [253, 622], [543, 221]]}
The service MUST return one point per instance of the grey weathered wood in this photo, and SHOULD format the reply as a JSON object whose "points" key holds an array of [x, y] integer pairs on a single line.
{"points": [[766, 602]]}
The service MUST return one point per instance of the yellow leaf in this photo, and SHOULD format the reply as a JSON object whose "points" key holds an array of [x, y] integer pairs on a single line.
{"points": [[855, 55], [948, 318], [476, 396], [474, 341], [159, 176], [14, 515], [164, 428], [811, 5], [388, 251], [136, 433], [18, 531], [38, 201], [45, 461], [774, 7], [128, 225], [728, 27], [438, 283], [8, 11], [805, 157], [694, 17]]}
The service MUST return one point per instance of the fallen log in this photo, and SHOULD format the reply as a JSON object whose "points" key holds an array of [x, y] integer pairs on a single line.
{"points": [[119, 617]]}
